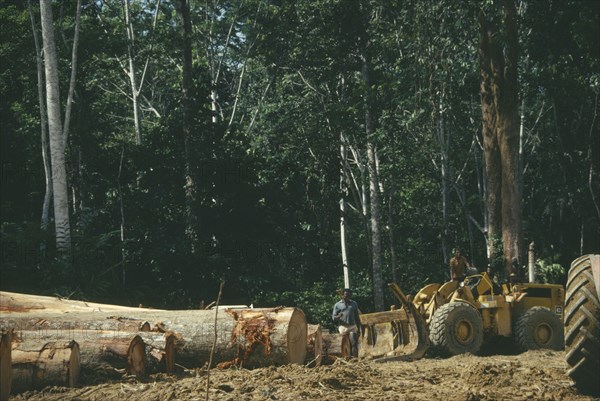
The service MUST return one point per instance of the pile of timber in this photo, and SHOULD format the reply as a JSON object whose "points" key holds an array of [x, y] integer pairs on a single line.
{"points": [[62, 338]]}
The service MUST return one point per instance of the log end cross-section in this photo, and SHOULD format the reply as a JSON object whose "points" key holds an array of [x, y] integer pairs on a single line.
{"points": [[268, 337]]}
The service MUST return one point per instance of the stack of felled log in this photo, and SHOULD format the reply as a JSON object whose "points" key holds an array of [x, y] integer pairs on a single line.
{"points": [[48, 340]]}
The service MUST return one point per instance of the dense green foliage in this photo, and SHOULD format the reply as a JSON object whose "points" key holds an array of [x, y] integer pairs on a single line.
{"points": [[286, 79]]}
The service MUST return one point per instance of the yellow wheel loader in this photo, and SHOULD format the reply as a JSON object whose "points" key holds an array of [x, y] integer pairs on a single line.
{"points": [[455, 317]]}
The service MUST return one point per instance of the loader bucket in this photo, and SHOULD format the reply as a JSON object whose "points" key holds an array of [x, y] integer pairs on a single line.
{"points": [[394, 335]]}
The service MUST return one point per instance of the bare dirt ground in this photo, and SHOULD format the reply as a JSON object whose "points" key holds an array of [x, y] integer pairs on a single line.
{"points": [[534, 375]]}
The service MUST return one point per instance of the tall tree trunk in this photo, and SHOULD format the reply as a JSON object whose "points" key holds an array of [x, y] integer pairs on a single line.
{"points": [[372, 166], [375, 213], [44, 130], [191, 228], [508, 139], [57, 142], [444, 144], [499, 102], [491, 152]]}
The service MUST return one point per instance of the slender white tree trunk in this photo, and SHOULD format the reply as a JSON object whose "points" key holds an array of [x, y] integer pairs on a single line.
{"points": [[131, 73], [57, 142], [343, 191], [343, 242], [44, 128]]}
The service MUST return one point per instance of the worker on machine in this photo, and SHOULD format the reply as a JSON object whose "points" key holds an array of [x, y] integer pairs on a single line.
{"points": [[345, 315], [458, 266]]}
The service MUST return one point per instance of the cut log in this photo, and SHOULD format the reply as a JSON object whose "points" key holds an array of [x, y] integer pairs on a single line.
{"points": [[245, 337], [335, 346], [160, 351], [314, 345], [41, 321], [103, 353], [5, 364], [112, 352], [11, 302], [265, 337], [37, 363]]}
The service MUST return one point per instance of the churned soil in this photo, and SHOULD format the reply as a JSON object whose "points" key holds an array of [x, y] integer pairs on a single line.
{"points": [[533, 375]]}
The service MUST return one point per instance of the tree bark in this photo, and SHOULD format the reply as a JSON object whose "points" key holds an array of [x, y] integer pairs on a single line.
{"points": [[44, 128], [499, 102], [508, 140], [314, 345], [70, 321], [109, 350], [57, 142], [38, 362], [5, 364], [104, 352], [375, 232], [11, 302], [491, 152]]}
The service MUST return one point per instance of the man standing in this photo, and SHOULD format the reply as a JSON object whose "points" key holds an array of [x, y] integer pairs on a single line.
{"points": [[345, 314], [458, 265]]}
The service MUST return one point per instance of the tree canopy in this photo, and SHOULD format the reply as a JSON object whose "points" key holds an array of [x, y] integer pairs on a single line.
{"points": [[228, 161]]}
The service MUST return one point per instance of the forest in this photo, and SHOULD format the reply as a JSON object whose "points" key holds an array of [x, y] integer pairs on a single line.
{"points": [[152, 149]]}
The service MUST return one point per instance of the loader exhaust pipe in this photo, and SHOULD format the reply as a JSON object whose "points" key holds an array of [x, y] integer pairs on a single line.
{"points": [[531, 262]]}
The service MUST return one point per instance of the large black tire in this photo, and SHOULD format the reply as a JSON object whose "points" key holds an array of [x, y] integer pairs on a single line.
{"points": [[582, 325], [456, 328], [539, 328]]}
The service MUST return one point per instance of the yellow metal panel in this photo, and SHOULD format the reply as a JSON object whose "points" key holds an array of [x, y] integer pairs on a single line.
{"points": [[503, 321], [487, 319], [554, 301]]}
